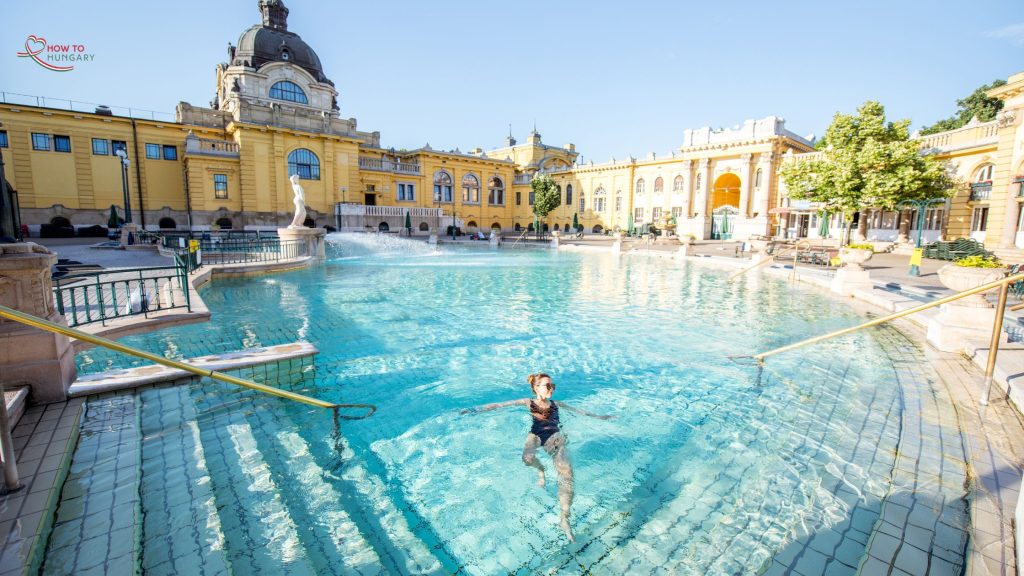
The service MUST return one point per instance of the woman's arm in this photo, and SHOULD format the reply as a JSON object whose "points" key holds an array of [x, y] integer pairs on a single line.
{"points": [[583, 412], [496, 405]]}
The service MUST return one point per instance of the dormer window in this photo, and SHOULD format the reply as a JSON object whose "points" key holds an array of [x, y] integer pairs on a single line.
{"points": [[285, 55], [289, 91]]}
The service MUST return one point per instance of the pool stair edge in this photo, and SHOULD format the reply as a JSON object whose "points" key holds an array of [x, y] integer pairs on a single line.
{"points": [[154, 373]]}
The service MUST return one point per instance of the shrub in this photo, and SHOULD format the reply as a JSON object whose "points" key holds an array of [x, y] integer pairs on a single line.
{"points": [[978, 261]]}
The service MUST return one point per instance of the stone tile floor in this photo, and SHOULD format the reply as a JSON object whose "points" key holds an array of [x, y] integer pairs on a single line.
{"points": [[44, 440]]}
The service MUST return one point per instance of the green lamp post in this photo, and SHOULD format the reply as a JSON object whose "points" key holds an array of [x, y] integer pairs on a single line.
{"points": [[921, 206]]}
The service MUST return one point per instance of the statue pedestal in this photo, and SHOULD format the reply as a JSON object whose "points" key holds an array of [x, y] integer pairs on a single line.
{"points": [[495, 239], [313, 237], [129, 230], [955, 324], [556, 240], [28, 356], [682, 252], [848, 280], [617, 246], [432, 239]]}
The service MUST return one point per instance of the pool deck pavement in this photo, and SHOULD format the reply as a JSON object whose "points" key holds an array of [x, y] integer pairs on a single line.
{"points": [[993, 434]]}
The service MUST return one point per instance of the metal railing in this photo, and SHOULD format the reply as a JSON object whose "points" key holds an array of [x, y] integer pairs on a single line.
{"points": [[251, 251], [29, 320], [997, 326], [79, 106], [89, 297]]}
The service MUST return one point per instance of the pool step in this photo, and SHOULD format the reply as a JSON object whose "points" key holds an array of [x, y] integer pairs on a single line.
{"points": [[181, 529]]}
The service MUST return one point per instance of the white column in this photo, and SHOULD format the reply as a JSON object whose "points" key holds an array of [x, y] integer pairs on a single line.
{"points": [[744, 186], [700, 194], [763, 194], [687, 166]]}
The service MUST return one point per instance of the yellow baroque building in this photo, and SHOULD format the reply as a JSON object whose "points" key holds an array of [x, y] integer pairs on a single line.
{"points": [[275, 114]]}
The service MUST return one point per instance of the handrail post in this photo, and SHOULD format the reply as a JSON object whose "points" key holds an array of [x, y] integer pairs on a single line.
{"points": [[11, 481], [993, 346]]}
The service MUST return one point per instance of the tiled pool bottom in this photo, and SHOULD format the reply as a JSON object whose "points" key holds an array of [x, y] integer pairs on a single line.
{"points": [[236, 483]]}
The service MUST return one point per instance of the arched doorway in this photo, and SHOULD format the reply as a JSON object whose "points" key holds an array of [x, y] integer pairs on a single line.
{"points": [[726, 191], [168, 223], [723, 222], [383, 227]]}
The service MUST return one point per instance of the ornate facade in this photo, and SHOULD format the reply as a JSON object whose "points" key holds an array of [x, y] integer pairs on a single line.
{"points": [[275, 113]]}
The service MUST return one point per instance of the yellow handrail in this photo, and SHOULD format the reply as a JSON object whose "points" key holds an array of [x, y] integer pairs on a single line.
{"points": [[521, 236], [763, 262], [30, 320], [983, 288]]}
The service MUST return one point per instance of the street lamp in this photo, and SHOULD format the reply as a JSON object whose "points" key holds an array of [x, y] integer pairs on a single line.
{"points": [[921, 206], [123, 155]]}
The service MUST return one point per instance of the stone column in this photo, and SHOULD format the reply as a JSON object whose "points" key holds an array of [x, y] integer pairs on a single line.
{"points": [[744, 186], [700, 196], [42, 360]]}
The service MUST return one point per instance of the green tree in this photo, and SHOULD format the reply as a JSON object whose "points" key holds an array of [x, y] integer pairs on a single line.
{"points": [[866, 162], [977, 104], [545, 196]]}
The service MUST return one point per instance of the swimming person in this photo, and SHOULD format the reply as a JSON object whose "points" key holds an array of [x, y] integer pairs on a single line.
{"points": [[546, 432]]}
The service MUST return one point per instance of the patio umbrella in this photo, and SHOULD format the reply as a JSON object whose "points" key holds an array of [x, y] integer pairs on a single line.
{"points": [[114, 221], [823, 229], [629, 223], [408, 223], [575, 222]]}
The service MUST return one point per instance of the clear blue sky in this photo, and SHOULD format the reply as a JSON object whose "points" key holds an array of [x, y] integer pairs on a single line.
{"points": [[614, 78]]}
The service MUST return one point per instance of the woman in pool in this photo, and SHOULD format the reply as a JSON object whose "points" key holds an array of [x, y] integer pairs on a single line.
{"points": [[546, 432]]}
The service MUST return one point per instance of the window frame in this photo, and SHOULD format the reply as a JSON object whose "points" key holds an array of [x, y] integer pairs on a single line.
{"points": [[470, 189], [59, 140], [106, 147], [444, 186], [153, 151], [173, 152], [118, 144], [406, 192], [3, 139], [288, 95], [220, 182], [41, 142], [311, 164], [496, 192], [568, 194]]}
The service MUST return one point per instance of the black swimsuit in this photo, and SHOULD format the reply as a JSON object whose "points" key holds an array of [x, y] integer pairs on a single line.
{"points": [[545, 422]]}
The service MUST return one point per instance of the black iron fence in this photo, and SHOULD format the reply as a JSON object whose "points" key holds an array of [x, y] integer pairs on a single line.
{"points": [[101, 296]]}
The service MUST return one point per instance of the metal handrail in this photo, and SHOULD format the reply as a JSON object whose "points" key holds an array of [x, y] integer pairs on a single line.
{"points": [[770, 259], [997, 326], [30, 320], [521, 236]]}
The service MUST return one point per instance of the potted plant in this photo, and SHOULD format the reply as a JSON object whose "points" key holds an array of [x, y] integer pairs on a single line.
{"points": [[971, 272], [853, 255], [689, 238]]}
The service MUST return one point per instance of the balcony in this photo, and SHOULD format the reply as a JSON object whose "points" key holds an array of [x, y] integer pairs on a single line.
{"points": [[386, 165], [196, 146], [981, 191], [522, 179], [1019, 181]]}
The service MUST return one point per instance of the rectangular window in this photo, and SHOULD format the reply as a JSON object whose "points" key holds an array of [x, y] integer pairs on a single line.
{"points": [[170, 152], [153, 151], [533, 196], [656, 214], [220, 186], [979, 219], [406, 192], [618, 203], [100, 147], [638, 214], [3, 139], [583, 204], [599, 204], [62, 143], [40, 141], [116, 145], [519, 198], [568, 195]]}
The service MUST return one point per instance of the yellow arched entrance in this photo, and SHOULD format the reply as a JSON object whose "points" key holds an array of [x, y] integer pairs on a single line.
{"points": [[726, 191]]}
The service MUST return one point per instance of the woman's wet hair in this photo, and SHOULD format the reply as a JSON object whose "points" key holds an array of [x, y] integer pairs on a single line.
{"points": [[533, 379]]}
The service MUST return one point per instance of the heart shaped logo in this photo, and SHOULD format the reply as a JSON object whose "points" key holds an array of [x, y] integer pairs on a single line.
{"points": [[34, 44]]}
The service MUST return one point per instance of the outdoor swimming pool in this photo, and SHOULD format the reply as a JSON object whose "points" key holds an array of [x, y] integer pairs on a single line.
{"points": [[709, 467]]}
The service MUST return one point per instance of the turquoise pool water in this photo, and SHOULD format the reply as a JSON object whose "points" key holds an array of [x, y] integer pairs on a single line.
{"points": [[709, 467]]}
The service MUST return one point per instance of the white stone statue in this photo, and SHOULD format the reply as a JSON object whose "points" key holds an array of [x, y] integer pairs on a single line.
{"points": [[300, 204]]}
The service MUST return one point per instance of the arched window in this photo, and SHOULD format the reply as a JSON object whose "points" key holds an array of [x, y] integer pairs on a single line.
{"points": [[599, 199], [529, 227], [60, 222], [984, 174], [640, 186], [598, 229], [442, 186], [757, 179], [383, 227], [677, 184], [517, 227], [168, 223], [470, 189], [495, 227], [568, 194], [304, 163], [224, 223], [556, 226], [471, 224], [659, 185], [424, 227], [289, 91], [496, 192]]}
